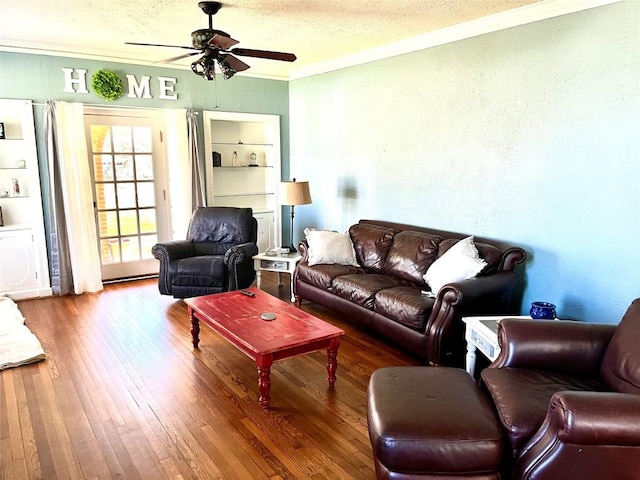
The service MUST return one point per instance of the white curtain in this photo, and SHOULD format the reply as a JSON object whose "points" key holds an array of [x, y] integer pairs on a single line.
{"points": [[197, 180], [179, 169], [77, 194]]}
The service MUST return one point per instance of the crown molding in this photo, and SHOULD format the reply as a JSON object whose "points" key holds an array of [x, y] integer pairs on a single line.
{"points": [[17, 48], [511, 18]]}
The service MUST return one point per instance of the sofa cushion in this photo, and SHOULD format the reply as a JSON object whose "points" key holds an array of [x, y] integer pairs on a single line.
{"points": [[371, 243], [321, 276], [458, 263], [521, 397], [411, 254], [405, 305], [330, 247], [620, 368], [362, 288]]}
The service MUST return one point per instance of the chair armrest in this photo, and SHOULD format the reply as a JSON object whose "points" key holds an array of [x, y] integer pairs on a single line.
{"points": [[591, 434], [170, 251], [240, 253], [597, 418], [239, 262], [568, 346], [489, 294]]}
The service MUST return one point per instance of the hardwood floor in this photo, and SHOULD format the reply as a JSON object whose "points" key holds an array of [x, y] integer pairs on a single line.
{"points": [[123, 394]]}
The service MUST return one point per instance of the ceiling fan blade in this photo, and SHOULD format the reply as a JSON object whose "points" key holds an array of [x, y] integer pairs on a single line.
{"points": [[222, 42], [235, 63], [248, 52], [173, 59], [158, 45]]}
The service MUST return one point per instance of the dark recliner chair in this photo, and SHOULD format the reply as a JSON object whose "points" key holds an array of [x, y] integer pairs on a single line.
{"points": [[217, 255], [568, 397]]}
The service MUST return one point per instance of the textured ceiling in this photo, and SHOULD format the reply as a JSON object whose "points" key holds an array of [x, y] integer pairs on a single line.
{"points": [[316, 31]]}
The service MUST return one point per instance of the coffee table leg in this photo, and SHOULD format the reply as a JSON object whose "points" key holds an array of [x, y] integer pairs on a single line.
{"points": [[264, 379], [332, 360], [195, 328]]}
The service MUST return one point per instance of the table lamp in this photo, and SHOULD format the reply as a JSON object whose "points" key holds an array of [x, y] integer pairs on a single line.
{"points": [[294, 193]]}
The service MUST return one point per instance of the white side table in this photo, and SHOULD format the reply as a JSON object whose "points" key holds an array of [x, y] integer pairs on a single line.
{"points": [[276, 263], [482, 334]]}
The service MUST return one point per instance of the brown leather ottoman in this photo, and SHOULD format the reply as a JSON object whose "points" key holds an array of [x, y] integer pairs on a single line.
{"points": [[431, 422]]}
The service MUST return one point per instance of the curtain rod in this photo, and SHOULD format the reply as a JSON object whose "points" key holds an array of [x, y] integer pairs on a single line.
{"points": [[93, 105]]}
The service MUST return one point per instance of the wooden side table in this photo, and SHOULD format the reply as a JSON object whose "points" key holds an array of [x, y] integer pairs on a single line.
{"points": [[281, 263], [482, 334]]}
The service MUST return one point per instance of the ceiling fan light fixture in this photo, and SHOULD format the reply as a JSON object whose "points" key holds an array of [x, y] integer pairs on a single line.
{"points": [[205, 66], [227, 70]]}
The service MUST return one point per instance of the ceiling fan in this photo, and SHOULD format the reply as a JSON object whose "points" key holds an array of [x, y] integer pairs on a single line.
{"points": [[214, 46]]}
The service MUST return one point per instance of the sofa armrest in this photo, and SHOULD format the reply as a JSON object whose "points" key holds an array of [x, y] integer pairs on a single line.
{"points": [[590, 434], [569, 346], [512, 257], [303, 250], [489, 294]]}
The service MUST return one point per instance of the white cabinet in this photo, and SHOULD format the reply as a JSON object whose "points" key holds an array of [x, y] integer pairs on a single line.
{"points": [[265, 231], [24, 269], [242, 152], [17, 258]]}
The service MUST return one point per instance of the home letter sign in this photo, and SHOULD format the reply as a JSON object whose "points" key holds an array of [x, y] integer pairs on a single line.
{"points": [[165, 89], [137, 89], [81, 81]]}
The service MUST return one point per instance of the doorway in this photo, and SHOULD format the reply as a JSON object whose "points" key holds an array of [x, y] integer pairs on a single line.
{"points": [[128, 175]]}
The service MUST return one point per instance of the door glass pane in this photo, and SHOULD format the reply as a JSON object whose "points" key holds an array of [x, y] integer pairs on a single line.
{"points": [[142, 139], [128, 222], [122, 139], [105, 196], [110, 250], [124, 167], [130, 249], [146, 195], [147, 242], [101, 138], [148, 220], [126, 195], [103, 167], [108, 224], [144, 167]]}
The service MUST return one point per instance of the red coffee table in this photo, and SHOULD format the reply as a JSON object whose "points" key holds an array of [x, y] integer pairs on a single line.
{"points": [[293, 332]]}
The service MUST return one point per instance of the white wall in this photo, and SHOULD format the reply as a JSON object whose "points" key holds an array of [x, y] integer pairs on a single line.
{"points": [[530, 135]]}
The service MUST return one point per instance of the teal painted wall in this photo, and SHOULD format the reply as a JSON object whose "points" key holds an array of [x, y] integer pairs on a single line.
{"points": [[40, 78], [530, 135]]}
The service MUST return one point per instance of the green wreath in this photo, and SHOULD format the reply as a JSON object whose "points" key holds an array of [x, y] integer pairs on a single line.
{"points": [[107, 85]]}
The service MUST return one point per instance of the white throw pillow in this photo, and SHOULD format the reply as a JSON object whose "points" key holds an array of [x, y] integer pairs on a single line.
{"points": [[460, 262], [330, 247]]}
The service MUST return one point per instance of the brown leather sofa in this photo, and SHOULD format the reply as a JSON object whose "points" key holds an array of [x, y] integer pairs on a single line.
{"points": [[568, 397], [383, 294]]}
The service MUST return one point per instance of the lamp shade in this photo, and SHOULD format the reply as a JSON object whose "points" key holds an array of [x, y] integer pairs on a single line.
{"points": [[295, 193]]}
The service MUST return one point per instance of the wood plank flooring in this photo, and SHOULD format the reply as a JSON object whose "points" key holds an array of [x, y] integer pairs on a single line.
{"points": [[123, 394]]}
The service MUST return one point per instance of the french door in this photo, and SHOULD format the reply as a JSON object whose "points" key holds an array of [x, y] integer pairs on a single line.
{"points": [[127, 169]]}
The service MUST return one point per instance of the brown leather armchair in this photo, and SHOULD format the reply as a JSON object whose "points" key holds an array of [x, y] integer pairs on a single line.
{"points": [[568, 397]]}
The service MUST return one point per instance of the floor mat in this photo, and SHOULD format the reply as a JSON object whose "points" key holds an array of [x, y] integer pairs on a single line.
{"points": [[18, 346]]}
